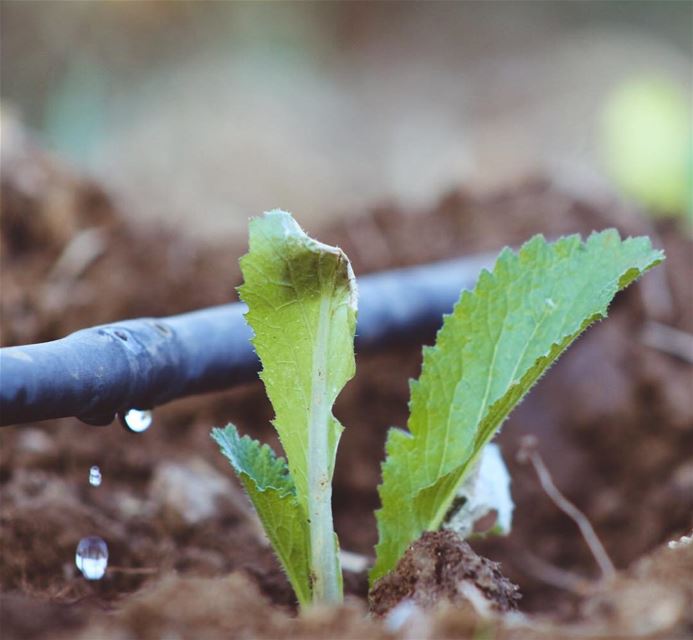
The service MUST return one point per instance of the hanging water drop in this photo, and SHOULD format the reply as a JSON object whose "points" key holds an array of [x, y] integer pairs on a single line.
{"points": [[136, 421], [95, 476], [91, 557]]}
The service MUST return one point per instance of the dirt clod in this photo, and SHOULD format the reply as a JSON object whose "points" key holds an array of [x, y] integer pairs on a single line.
{"points": [[441, 567]]}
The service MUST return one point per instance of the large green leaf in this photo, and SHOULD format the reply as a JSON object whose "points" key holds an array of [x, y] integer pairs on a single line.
{"points": [[270, 488], [301, 296], [494, 346]]}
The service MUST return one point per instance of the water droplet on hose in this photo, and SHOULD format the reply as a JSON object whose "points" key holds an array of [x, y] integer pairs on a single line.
{"points": [[95, 476], [136, 421], [91, 557]]}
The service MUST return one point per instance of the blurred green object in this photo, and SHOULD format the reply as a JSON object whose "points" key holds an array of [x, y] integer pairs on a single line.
{"points": [[76, 111], [648, 145]]}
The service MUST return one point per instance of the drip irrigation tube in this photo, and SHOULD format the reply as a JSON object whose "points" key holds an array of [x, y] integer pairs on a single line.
{"points": [[97, 373]]}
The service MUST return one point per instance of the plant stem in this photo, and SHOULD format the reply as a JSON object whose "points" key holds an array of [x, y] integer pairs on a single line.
{"points": [[324, 560]]}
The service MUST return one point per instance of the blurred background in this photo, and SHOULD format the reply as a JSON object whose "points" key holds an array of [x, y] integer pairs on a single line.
{"points": [[204, 113], [139, 137]]}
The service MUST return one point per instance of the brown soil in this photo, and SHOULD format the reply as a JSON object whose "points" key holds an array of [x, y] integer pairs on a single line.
{"points": [[614, 421], [440, 566]]}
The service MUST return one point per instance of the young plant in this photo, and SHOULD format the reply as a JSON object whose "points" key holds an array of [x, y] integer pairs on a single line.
{"points": [[301, 296], [499, 339], [497, 342]]}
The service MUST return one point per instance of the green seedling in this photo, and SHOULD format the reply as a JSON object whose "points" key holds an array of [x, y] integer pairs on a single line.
{"points": [[499, 339], [301, 296]]}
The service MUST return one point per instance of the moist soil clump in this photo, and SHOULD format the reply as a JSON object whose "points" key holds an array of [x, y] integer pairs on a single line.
{"points": [[613, 420], [441, 567]]}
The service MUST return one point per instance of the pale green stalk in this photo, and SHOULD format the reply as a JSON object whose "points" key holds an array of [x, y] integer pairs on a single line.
{"points": [[324, 559]]}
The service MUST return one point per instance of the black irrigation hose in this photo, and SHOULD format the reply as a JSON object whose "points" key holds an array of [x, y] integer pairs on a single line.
{"points": [[96, 373]]}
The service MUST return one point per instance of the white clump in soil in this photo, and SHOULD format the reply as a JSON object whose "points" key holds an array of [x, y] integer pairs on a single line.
{"points": [[34, 441], [91, 557], [683, 541], [406, 617], [485, 492], [191, 491]]}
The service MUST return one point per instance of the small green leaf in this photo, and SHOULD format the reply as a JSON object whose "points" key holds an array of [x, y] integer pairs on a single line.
{"points": [[495, 345], [266, 479]]}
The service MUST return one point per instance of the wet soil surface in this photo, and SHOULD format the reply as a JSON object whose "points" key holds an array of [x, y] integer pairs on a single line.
{"points": [[614, 421]]}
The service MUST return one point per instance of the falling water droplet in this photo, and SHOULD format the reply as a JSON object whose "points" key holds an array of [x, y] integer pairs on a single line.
{"points": [[136, 421], [95, 476], [91, 557]]}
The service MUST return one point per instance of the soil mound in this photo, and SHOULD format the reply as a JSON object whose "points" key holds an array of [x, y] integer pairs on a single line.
{"points": [[441, 567]]}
